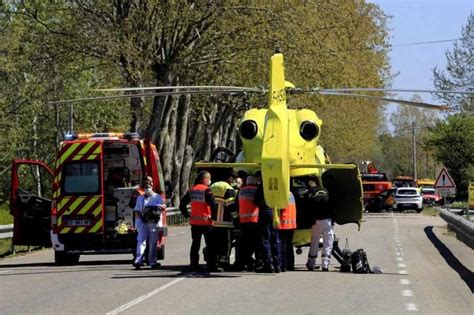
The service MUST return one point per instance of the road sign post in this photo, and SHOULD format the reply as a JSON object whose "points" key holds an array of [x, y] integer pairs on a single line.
{"points": [[444, 184]]}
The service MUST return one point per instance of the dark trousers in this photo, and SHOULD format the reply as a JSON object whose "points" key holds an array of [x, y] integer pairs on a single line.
{"points": [[248, 243], [269, 240], [221, 243], [197, 231], [287, 253]]}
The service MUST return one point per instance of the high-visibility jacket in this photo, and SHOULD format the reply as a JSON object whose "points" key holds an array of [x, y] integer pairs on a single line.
{"points": [[248, 210], [200, 210], [288, 215], [224, 194]]}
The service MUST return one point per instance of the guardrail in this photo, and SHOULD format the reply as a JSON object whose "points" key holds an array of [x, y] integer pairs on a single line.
{"points": [[6, 231], [464, 228], [173, 216]]}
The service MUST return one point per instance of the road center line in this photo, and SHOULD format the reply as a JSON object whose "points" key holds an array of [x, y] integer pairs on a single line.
{"points": [[405, 282], [411, 307], [144, 297], [407, 292]]}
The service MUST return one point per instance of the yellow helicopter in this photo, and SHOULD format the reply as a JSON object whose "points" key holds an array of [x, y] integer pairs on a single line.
{"points": [[283, 143]]}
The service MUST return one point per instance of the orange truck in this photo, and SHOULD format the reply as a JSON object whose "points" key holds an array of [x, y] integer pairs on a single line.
{"points": [[82, 204], [372, 185]]}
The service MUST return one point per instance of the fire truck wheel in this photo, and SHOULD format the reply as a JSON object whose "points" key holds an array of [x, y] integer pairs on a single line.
{"points": [[63, 258]]}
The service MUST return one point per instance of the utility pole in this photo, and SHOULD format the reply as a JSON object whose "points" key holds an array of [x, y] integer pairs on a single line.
{"points": [[414, 150]]}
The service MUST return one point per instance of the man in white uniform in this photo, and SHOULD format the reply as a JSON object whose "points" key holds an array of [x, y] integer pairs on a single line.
{"points": [[148, 209], [318, 200]]}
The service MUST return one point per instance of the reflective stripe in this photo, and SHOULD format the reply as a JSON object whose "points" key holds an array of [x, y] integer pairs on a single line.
{"points": [[288, 215], [249, 215]]}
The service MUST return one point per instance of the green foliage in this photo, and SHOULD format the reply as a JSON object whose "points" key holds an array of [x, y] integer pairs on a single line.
{"points": [[5, 217], [452, 143], [460, 71]]}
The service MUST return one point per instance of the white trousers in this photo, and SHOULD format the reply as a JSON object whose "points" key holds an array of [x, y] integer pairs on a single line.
{"points": [[146, 231], [323, 227]]}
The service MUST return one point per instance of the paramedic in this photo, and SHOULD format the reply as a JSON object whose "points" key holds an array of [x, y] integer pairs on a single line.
{"points": [[203, 206], [318, 200], [148, 209]]}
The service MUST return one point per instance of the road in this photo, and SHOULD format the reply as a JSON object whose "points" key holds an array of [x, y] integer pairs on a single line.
{"points": [[425, 270]]}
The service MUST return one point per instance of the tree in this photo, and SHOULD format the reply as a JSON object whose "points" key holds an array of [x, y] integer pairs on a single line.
{"points": [[136, 43], [396, 149], [452, 143], [460, 71]]}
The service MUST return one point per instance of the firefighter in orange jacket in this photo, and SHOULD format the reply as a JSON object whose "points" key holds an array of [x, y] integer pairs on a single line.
{"points": [[286, 229], [221, 238], [203, 208], [248, 214]]}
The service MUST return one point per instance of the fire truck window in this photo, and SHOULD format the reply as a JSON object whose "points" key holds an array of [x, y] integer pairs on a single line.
{"points": [[81, 178]]}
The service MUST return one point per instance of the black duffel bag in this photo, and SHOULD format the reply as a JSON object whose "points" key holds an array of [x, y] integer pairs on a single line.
{"points": [[152, 214]]}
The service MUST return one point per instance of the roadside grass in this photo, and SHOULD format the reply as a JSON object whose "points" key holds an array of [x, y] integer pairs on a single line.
{"points": [[459, 204], [430, 211], [5, 217], [6, 248]]}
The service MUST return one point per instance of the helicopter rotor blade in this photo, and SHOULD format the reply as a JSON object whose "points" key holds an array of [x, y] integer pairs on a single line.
{"points": [[396, 90], [386, 99], [176, 88], [207, 91]]}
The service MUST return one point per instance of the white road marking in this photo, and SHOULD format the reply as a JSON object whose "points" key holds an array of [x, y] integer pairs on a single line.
{"points": [[183, 232], [407, 293], [4, 271], [144, 297], [411, 307], [405, 281], [402, 265], [399, 258], [172, 235], [402, 272]]}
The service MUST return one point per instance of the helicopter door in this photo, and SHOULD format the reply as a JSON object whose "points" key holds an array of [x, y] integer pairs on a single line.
{"points": [[30, 202], [345, 194]]}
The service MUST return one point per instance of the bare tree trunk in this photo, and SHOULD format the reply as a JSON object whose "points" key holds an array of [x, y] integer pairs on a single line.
{"points": [[188, 161], [181, 136], [169, 144], [136, 104]]}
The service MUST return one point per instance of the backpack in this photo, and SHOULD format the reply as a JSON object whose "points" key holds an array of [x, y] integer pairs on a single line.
{"points": [[346, 254], [359, 262]]}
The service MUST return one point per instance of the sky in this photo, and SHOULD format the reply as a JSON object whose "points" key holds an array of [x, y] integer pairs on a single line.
{"points": [[421, 21]]}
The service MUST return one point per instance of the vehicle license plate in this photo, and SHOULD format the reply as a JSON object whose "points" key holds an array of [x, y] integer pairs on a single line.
{"points": [[78, 222]]}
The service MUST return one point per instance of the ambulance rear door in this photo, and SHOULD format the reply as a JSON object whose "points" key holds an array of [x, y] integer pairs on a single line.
{"points": [[30, 202]]}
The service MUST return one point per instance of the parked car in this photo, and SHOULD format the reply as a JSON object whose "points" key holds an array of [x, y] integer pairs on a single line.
{"points": [[408, 198], [431, 197], [382, 201]]}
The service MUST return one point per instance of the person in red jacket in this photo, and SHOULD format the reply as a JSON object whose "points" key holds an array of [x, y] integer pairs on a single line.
{"points": [[286, 229], [248, 214], [203, 207]]}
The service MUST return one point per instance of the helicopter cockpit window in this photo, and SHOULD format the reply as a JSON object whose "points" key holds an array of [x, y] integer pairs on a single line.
{"points": [[248, 129], [309, 130]]}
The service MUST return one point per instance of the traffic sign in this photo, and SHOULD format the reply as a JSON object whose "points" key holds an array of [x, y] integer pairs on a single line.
{"points": [[444, 184]]}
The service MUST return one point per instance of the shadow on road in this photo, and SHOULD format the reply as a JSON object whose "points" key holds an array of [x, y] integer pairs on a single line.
{"points": [[81, 263], [466, 275]]}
